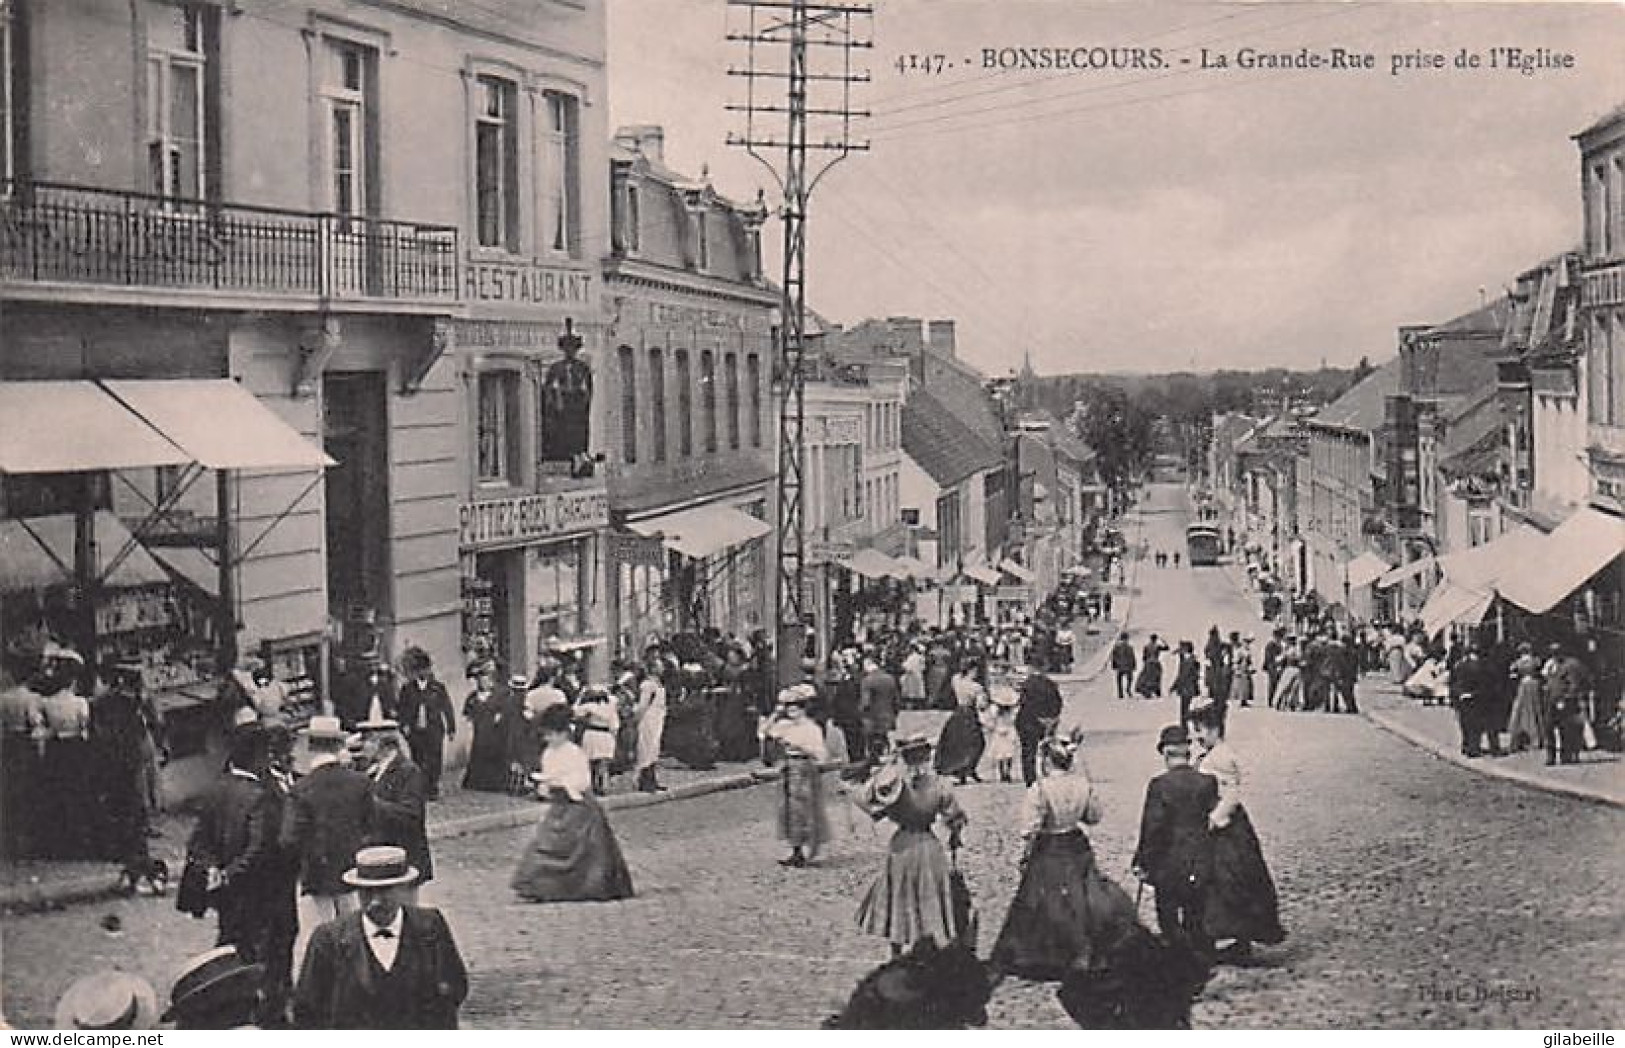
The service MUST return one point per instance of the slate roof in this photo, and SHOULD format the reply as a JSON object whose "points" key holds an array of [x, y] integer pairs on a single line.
{"points": [[1364, 407], [943, 445], [1473, 436]]}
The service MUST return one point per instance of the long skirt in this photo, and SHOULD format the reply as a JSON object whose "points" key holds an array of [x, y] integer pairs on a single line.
{"points": [[912, 899], [1149, 683], [487, 759], [736, 727], [802, 819], [1066, 914], [960, 746], [1240, 900], [1241, 687], [1528, 716], [573, 856]]}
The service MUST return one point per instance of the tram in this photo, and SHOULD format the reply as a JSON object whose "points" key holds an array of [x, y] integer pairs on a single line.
{"points": [[1203, 544]]}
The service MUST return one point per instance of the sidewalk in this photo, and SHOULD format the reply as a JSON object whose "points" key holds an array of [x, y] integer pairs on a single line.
{"points": [[1599, 777], [34, 884]]}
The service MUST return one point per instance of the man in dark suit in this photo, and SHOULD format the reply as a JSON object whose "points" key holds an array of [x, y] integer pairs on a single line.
{"points": [[400, 796], [426, 714], [1123, 665], [234, 840], [878, 698], [391, 966], [1470, 694], [1040, 710], [328, 814], [1273, 651], [281, 881], [1187, 679], [1175, 853]]}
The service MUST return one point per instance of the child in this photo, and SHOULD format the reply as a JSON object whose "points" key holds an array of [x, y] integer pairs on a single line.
{"points": [[1001, 732]]}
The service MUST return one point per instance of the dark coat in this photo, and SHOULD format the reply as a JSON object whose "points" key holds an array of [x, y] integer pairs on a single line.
{"points": [[329, 813], [400, 799], [879, 698], [1175, 848], [1187, 678], [338, 987], [236, 832], [1040, 703], [435, 705], [1123, 657]]}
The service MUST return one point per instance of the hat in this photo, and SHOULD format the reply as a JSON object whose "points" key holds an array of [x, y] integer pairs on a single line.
{"points": [[913, 743], [53, 650], [792, 697], [415, 660], [213, 979], [378, 724], [108, 1000], [1203, 712], [1005, 697], [326, 731], [244, 716], [384, 866], [1173, 735]]}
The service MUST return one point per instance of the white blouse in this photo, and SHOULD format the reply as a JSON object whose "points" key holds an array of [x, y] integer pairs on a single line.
{"points": [[1221, 763], [802, 736], [565, 766], [1059, 804]]}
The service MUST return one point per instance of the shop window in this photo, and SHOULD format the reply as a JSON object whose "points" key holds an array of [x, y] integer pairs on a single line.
{"points": [[732, 372], [685, 405], [753, 378], [560, 169], [180, 97], [629, 404], [657, 404], [350, 118], [708, 397], [498, 433], [496, 163]]}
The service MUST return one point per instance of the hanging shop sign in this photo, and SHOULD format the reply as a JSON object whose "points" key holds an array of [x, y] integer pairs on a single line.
{"points": [[528, 518]]}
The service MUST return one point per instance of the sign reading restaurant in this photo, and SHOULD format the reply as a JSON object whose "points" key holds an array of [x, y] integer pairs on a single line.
{"points": [[527, 281], [526, 518]]}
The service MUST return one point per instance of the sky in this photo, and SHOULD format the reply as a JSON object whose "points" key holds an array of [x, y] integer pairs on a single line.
{"points": [[1154, 219]]}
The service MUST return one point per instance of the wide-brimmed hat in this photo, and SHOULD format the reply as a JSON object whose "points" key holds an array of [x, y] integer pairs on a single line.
{"points": [[213, 979], [1006, 697], [327, 731], [792, 697], [1173, 735], [108, 1000], [378, 724], [382, 866]]}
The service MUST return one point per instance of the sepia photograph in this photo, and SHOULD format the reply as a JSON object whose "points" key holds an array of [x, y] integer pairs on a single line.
{"points": [[725, 515]]}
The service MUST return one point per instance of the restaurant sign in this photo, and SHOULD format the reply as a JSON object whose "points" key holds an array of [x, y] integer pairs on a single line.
{"points": [[528, 518], [528, 282]]}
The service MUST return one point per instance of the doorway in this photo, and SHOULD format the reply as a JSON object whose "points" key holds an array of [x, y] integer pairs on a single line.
{"points": [[355, 432]]}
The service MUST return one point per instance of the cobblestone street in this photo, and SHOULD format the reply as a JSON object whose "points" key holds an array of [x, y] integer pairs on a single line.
{"points": [[1405, 882]]}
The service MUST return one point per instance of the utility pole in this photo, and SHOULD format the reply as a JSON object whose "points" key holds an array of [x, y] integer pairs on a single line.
{"points": [[796, 25]]}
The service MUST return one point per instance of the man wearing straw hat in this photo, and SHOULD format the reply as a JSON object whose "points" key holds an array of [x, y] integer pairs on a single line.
{"points": [[329, 811], [400, 796], [391, 966]]}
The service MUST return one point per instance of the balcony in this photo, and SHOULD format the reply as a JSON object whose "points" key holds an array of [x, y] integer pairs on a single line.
{"points": [[52, 234]]}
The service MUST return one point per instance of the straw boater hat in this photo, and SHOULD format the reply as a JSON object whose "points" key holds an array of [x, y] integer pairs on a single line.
{"points": [[384, 866], [792, 697], [108, 1000], [326, 732], [213, 980], [1006, 697]]}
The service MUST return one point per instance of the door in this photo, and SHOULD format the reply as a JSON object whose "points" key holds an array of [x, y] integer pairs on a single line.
{"points": [[355, 432]]}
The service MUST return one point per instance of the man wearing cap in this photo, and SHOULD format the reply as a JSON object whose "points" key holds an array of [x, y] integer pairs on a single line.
{"points": [[399, 796], [234, 840], [391, 966], [1175, 853], [329, 811]]}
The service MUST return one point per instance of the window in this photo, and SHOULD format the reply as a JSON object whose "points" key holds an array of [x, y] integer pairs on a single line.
{"points": [[345, 89], [708, 397], [496, 164], [559, 163], [1599, 210], [498, 433], [176, 67], [911, 517], [657, 404], [633, 222], [702, 241], [753, 377], [732, 363], [685, 405], [629, 405]]}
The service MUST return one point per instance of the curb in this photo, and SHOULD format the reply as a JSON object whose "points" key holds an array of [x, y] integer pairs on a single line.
{"points": [[1490, 769], [94, 887]]}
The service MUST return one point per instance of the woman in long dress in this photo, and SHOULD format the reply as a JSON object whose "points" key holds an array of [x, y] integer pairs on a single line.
{"points": [[913, 679], [574, 855], [1527, 726], [911, 900], [1066, 914], [960, 746], [1241, 672], [1289, 685], [797, 737], [651, 717], [1240, 903], [1149, 684]]}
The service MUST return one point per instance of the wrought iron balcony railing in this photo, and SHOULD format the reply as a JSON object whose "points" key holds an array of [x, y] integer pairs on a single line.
{"points": [[70, 234]]}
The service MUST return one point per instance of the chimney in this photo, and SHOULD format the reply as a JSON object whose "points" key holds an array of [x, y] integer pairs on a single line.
{"points": [[907, 333], [941, 338], [648, 139]]}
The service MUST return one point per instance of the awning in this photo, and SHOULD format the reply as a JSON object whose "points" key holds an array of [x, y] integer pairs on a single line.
{"points": [[1478, 567], [1580, 547], [218, 424], [872, 564], [1452, 603], [191, 564], [1014, 570], [1397, 575], [1365, 569], [915, 568], [26, 564], [75, 427], [703, 531], [983, 574]]}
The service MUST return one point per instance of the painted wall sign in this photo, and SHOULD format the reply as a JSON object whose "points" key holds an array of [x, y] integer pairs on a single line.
{"points": [[527, 518]]}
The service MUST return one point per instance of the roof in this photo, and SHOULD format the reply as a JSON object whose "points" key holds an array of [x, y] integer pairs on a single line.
{"points": [[1364, 406], [941, 443], [1488, 319], [1612, 117], [1472, 439]]}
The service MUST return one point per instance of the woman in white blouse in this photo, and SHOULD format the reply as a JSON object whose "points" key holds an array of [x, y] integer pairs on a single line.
{"points": [[1066, 914], [1241, 903], [574, 855]]}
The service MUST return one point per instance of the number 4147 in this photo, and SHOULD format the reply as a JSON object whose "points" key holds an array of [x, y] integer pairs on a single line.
{"points": [[931, 65]]}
